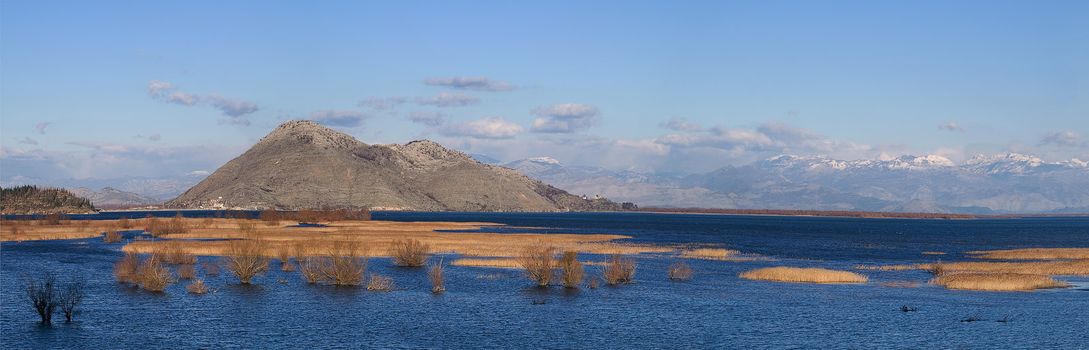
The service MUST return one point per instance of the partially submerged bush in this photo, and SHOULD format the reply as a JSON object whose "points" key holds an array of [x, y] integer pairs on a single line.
{"points": [[152, 275], [125, 269], [284, 255], [379, 283], [187, 271], [618, 269], [71, 295], [112, 236], [435, 273], [42, 293], [245, 259], [197, 287], [210, 268], [409, 252], [572, 269], [538, 262], [173, 252], [310, 269], [344, 266], [679, 271]]}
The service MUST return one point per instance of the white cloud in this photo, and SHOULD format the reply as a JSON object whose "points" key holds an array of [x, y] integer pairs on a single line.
{"points": [[563, 118], [447, 99], [158, 88], [1065, 138], [41, 127], [348, 119], [487, 128], [230, 107], [471, 83], [951, 126], [382, 103], [28, 141], [182, 98], [680, 124], [106, 160]]}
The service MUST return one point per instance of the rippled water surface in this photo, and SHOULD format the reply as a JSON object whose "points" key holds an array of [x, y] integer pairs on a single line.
{"points": [[496, 308]]}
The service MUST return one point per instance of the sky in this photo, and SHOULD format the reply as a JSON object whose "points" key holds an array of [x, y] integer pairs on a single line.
{"points": [[110, 89]]}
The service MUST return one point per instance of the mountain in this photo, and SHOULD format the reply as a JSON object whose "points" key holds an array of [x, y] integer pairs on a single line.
{"points": [[301, 164], [112, 197], [36, 200], [1005, 183], [158, 189]]}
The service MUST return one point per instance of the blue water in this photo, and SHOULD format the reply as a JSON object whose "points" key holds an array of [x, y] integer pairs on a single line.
{"points": [[495, 308]]}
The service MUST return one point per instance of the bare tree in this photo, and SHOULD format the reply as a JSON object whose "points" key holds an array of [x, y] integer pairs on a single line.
{"points": [[70, 297], [43, 295]]}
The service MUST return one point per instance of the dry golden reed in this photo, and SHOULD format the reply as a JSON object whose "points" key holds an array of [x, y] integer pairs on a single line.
{"points": [[618, 269], [538, 263], [803, 275], [197, 287], [379, 283], [151, 274], [572, 269], [409, 252], [996, 281], [245, 259], [436, 275], [679, 271]]}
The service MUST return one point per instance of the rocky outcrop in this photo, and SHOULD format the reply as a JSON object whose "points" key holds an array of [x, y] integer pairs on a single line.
{"points": [[301, 164]]}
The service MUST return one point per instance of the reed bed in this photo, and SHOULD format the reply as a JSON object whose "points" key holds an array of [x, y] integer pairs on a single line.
{"points": [[1078, 267], [1032, 254], [996, 281], [197, 287], [709, 253], [379, 283], [572, 270], [409, 252], [112, 236], [187, 271], [503, 263], [152, 275], [803, 275], [618, 269]]}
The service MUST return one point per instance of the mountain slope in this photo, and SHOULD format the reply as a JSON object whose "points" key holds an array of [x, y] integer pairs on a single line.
{"points": [[301, 164], [35, 200], [112, 197]]}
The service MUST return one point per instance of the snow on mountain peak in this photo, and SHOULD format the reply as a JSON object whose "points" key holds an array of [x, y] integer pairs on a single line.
{"points": [[544, 160]]}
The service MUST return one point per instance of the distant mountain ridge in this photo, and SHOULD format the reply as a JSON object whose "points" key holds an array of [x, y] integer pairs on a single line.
{"points": [[112, 197], [42, 200], [301, 164], [1004, 183]]}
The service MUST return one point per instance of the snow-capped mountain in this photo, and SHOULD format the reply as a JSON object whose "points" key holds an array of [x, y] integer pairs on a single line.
{"points": [[985, 184]]}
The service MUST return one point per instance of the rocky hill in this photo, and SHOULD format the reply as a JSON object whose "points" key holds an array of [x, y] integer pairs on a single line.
{"points": [[34, 200], [112, 197], [301, 164]]}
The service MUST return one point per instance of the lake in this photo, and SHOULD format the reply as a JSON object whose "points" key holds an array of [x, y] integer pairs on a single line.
{"points": [[499, 308]]}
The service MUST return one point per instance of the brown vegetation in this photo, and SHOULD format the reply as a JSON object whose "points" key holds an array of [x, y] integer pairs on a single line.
{"points": [[210, 268], [504, 263], [1033, 254], [344, 266], [572, 269], [151, 275], [538, 262], [124, 223], [41, 291], [680, 271], [125, 269], [187, 271], [803, 275], [436, 274], [709, 253], [175, 225], [197, 287], [173, 252], [310, 268], [618, 269], [1078, 267], [409, 252], [71, 295], [112, 236], [379, 283], [245, 259], [996, 281]]}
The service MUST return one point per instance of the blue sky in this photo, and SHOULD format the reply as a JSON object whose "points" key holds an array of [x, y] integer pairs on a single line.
{"points": [[109, 89]]}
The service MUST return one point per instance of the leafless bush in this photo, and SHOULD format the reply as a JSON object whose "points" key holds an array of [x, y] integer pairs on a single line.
{"points": [[125, 269], [70, 297], [283, 253], [165, 227], [618, 269], [538, 261], [310, 268], [680, 271], [435, 274], [197, 287], [41, 291], [112, 236], [187, 271], [269, 216], [173, 252], [593, 284], [409, 252], [247, 226], [572, 269], [344, 266], [124, 223], [245, 259], [151, 274], [54, 219], [380, 283], [210, 268]]}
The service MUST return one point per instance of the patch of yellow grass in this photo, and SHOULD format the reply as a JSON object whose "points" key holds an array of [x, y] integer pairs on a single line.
{"points": [[503, 263], [803, 275], [996, 281], [1032, 254], [933, 253], [1058, 267], [37, 230], [377, 237], [709, 253]]}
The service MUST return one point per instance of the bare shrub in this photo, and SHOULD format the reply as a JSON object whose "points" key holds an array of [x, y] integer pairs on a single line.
{"points": [[151, 274], [54, 219], [197, 287], [618, 269], [210, 268], [70, 297], [680, 271], [158, 227], [112, 236], [538, 262], [41, 291], [245, 259], [409, 252], [247, 226], [269, 216], [187, 271], [310, 269], [435, 273], [572, 269], [380, 283], [125, 269], [124, 223], [593, 284], [283, 253], [344, 266]]}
